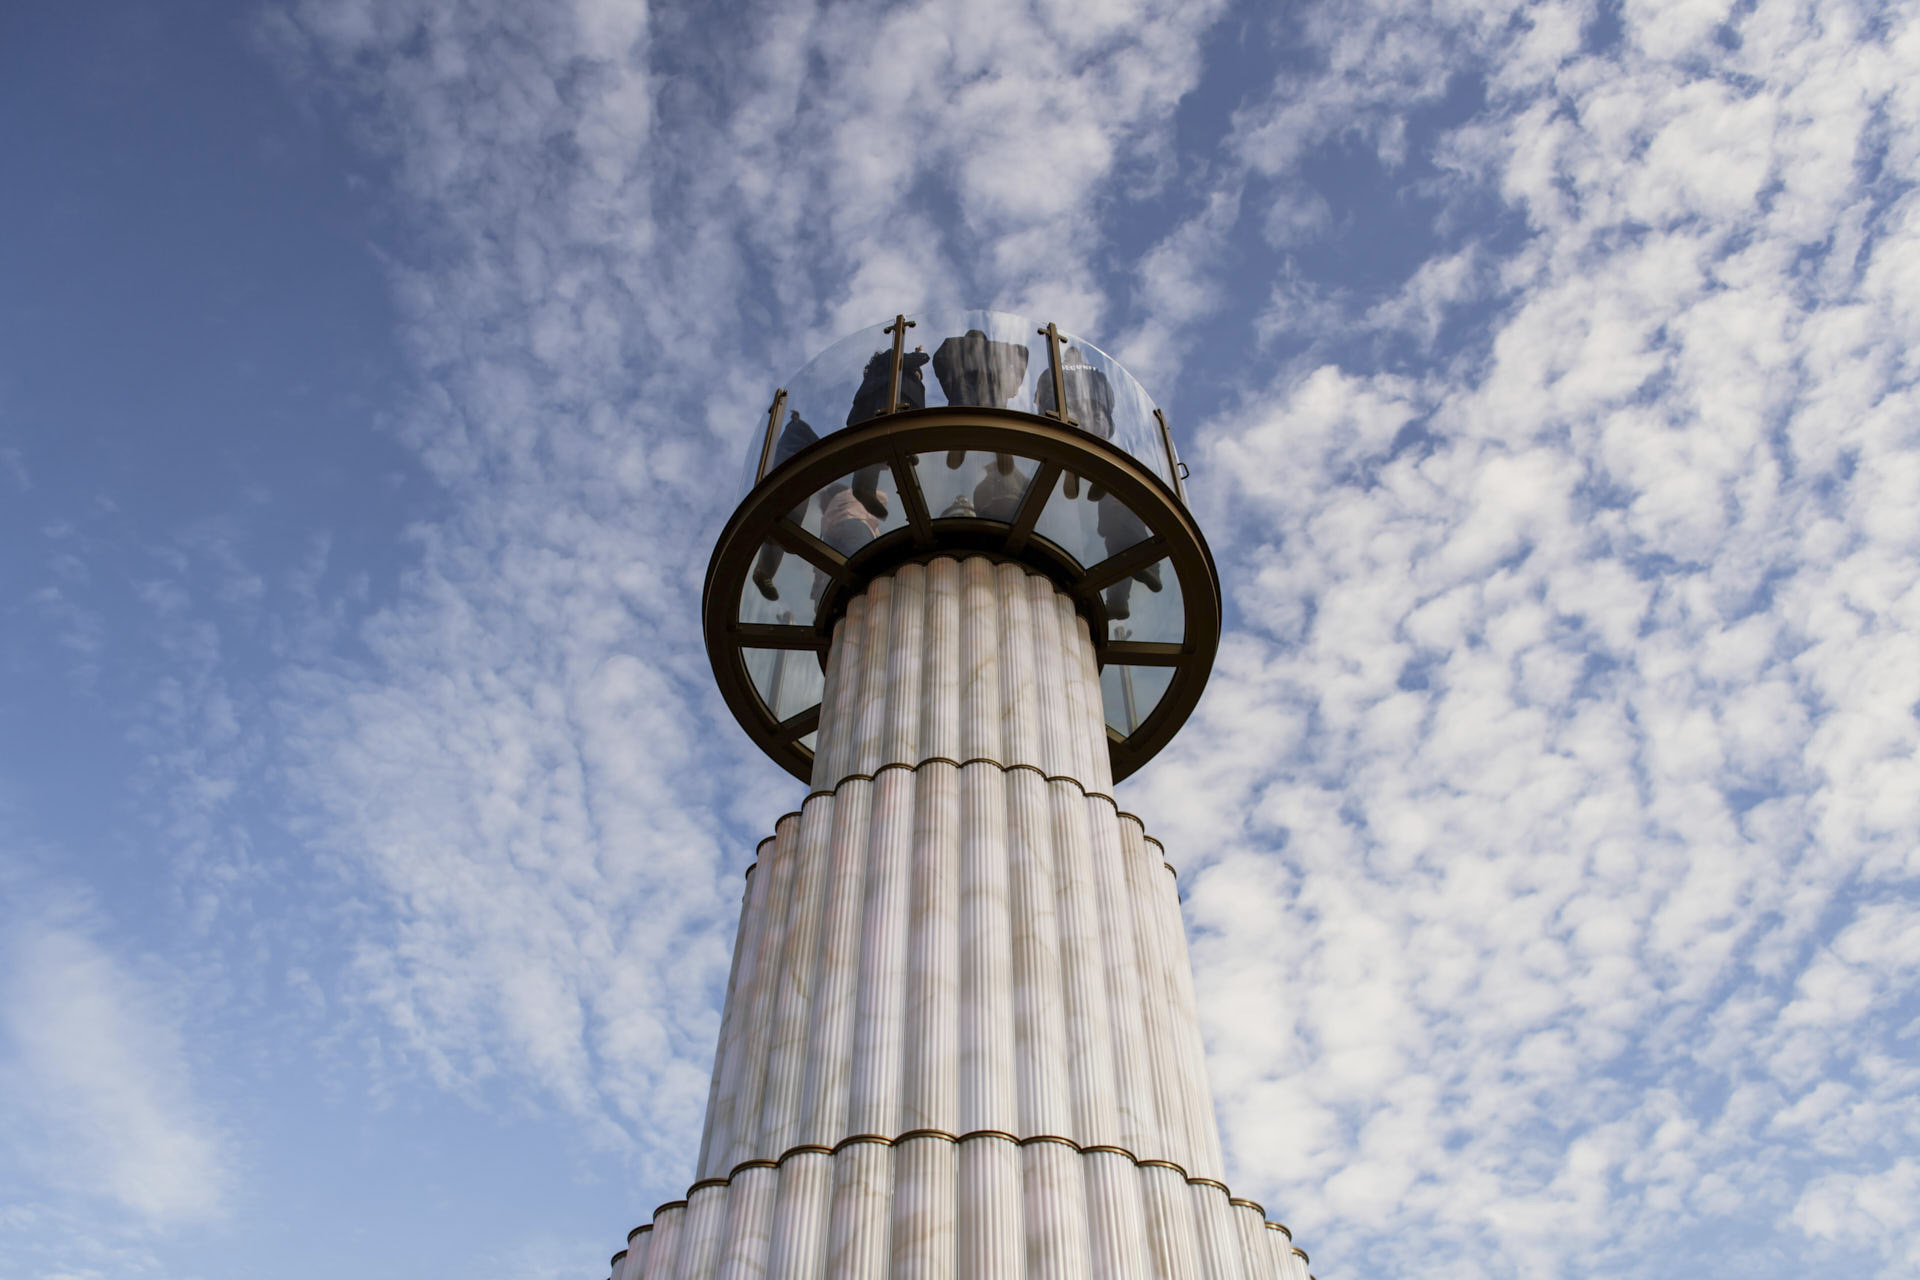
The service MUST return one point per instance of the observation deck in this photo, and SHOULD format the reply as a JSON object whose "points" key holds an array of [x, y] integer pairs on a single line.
{"points": [[962, 433]]}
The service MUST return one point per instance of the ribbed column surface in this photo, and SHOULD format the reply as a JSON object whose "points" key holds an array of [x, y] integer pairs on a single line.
{"points": [[960, 1037]]}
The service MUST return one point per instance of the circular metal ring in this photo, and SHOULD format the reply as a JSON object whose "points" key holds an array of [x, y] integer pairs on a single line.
{"points": [[894, 441]]}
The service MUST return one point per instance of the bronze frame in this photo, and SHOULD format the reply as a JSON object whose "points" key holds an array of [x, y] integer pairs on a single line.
{"points": [[893, 439]]}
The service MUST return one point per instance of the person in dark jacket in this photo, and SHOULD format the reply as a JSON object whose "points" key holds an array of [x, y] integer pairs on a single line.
{"points": [[974, 369], [870, 401], [1089, 403], [794, 437], [1089, 394]]}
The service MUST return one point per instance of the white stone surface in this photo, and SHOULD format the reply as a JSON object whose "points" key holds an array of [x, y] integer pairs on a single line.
{"points": [[751, 1196], [958, 933], [667, 1221], [701, 1234]]}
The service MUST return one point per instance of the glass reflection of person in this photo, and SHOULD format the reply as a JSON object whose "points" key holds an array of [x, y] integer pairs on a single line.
{"points": [[870, 401], [1089, 403], [794, 437]]}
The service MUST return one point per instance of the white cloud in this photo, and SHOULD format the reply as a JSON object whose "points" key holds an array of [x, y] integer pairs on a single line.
{"points": [[1545, 799], [98, 1079]]}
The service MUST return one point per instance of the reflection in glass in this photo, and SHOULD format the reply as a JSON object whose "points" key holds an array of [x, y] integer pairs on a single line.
{"points": [[781, 591], [1088, 524], [788, 680], [1129, 694], [1155, 616], [971, 484], [846, 514], [1123, 414]]}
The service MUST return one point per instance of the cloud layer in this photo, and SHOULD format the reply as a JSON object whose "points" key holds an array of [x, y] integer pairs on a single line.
{"points": [[1551, 827]]}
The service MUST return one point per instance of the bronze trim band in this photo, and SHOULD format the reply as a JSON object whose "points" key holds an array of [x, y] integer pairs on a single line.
{"points": [[961, 764], [911, 1134], [804, 1149], [1001, 1134], [1049, 1137], [859, 1138], [614, 1261], [878, 1139], [1299, 1253], [1081, 787], [745, 1165]]}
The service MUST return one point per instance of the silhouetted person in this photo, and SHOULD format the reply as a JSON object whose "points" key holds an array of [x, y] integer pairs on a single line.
{"points": [[794, 437], [871, 400], [1089, 403], [975, 369]]}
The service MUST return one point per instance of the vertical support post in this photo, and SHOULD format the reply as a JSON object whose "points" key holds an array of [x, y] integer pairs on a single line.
{"points": [[1126, 683], [898, 329], [1175, 467], [773, 425], [1052, 333], [779, 669]]}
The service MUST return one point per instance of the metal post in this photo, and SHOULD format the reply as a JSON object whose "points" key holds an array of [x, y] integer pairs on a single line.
{"points": [[898, 329], [1175, 467], [779, 669], [773, 424], [1059, 380], [1126, 683]]}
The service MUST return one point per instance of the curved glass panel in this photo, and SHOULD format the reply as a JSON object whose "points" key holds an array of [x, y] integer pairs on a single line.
{"points": [[961, 357], [1130, 693], [788, 680], [985, 358], [846, 514], [1105, 400], [1088, 524], [844, 384], [970, 484], [1147, 608]]}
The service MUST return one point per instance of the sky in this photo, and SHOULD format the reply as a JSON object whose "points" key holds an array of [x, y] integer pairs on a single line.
{"points": [[373, 379]]}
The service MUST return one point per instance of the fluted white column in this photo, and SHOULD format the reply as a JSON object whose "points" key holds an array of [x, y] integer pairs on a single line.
{"points": [[960, 1035]]}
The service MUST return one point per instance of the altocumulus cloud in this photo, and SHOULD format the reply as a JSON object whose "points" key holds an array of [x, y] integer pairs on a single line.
{"points": [[98, 1081], [1578, 692], [1550, 830]]}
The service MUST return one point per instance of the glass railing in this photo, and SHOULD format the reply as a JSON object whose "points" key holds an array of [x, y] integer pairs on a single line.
{"points": [[964, 358], [987, 358]]}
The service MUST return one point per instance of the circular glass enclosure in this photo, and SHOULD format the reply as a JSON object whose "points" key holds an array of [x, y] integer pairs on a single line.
{"points": [[962, 433]]}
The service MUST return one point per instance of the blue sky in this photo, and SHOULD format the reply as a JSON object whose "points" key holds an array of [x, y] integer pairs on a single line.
{"points": [[372, 380]]}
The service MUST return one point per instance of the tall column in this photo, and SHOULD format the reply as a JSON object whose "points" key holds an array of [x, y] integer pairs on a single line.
{"points": [[960, 1038]]}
